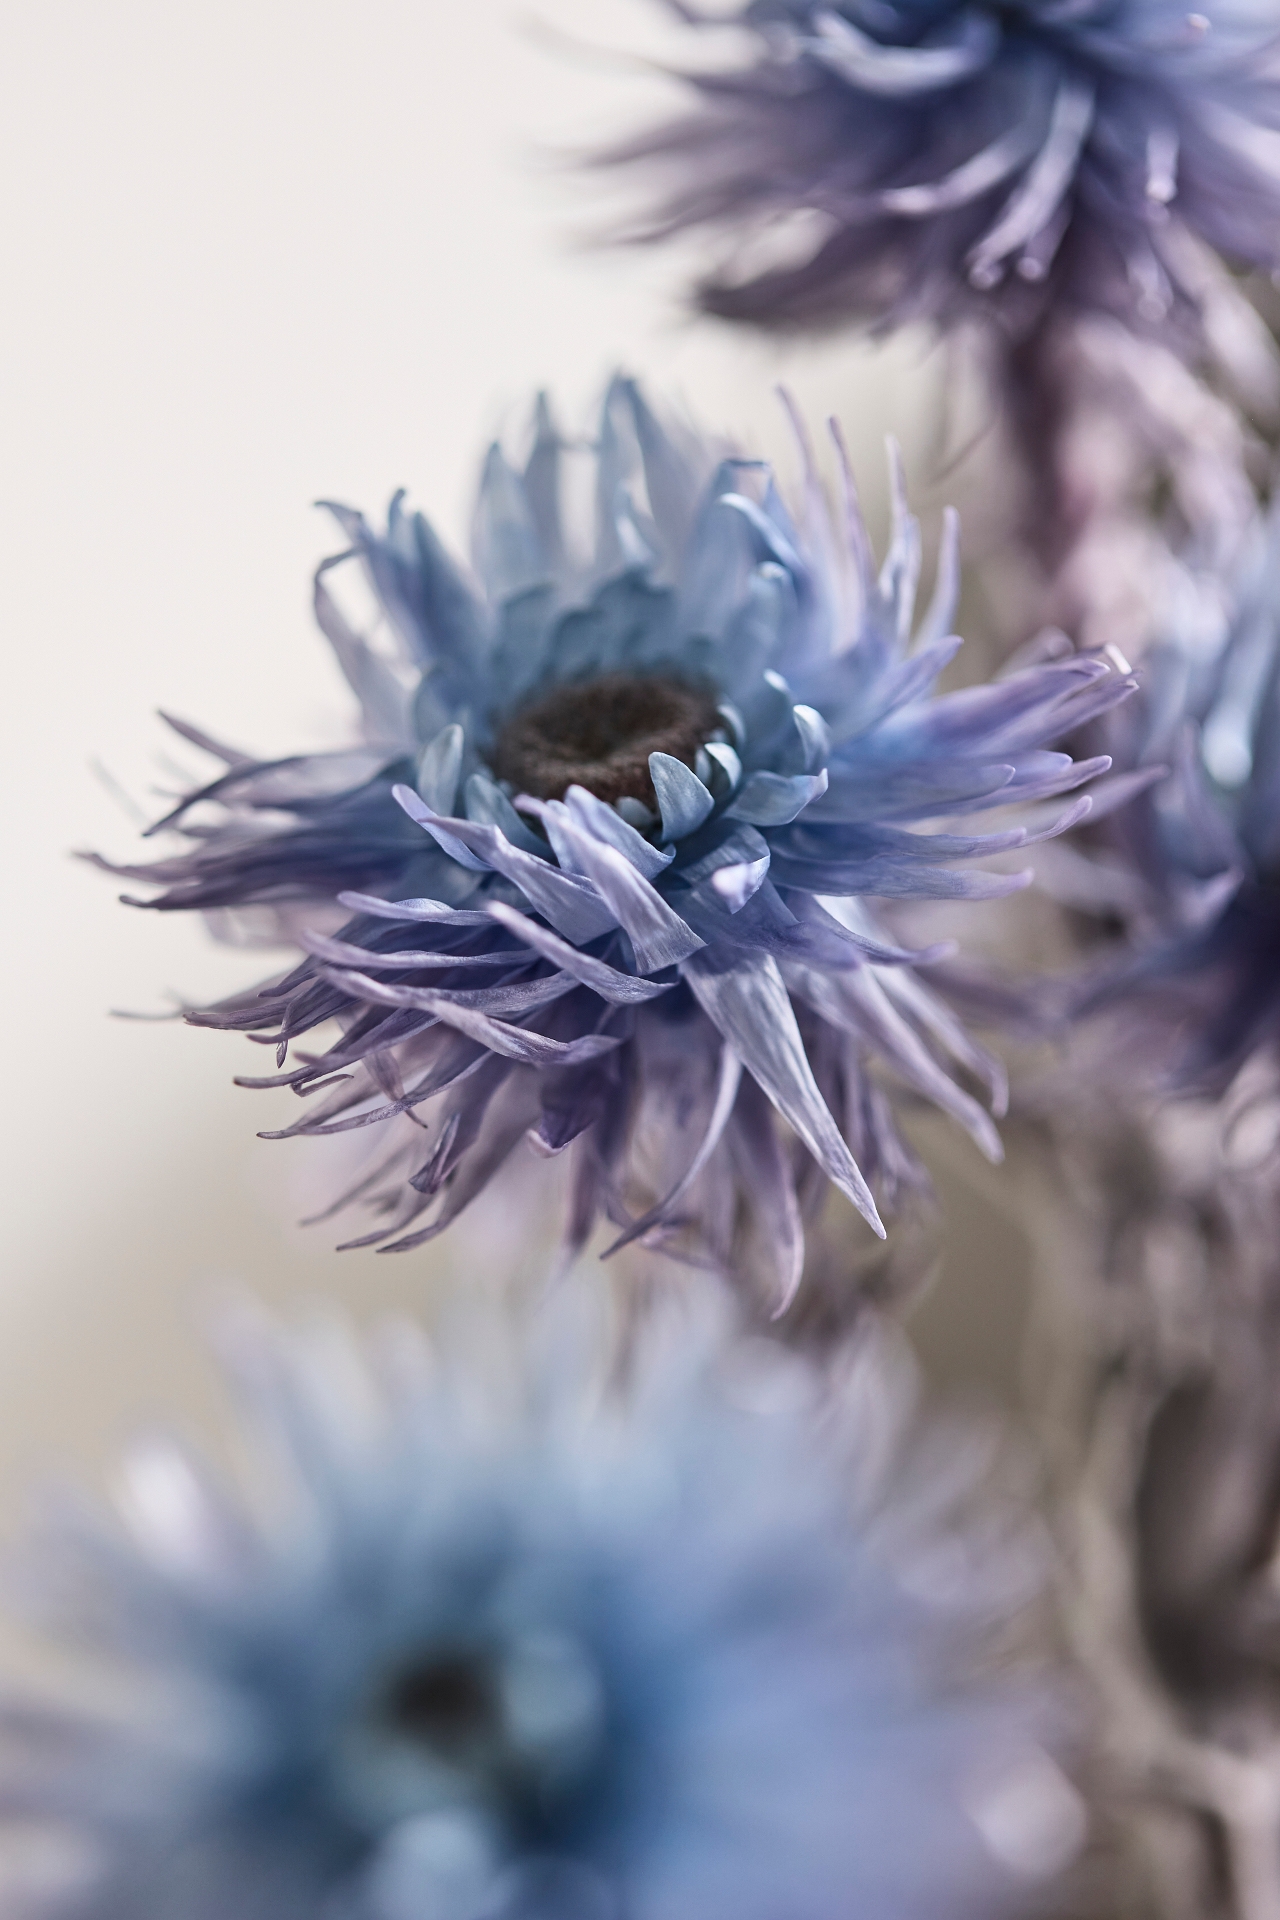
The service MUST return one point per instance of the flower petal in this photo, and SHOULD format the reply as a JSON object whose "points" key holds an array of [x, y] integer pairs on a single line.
{"points": [[774, 799], [658, 935], [385, 703], [901, 72], [345, 953], [749, 1005], [726, 767], [507, 553], [571, 905], [814, 737], [1037, 195], [438, 769], [683, 801], [499, 1036], [727, 1082], [516, 998], [623, 989], [489, 805], [766, 1172], [428, 911], [424, 815], [857, 1002], [736, 884], [608, 825]]}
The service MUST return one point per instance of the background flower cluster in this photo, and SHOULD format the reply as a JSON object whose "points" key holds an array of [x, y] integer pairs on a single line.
{"points": [[676, 909]]}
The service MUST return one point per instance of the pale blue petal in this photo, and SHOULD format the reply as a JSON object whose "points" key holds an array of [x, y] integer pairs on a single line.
{"points": [[683, 801], [671, 478], [511, 1042], [740, 845], [659, 937], [489, 805], [439, 768], [426, 817], [815, 739], [571, 904], [608, 825], [514, 1000], [775, 799], [755, 635], [429, 912], [506, 549], [726, 767], [736, 884], [748, 1003], [384, 702], [542, 476], [621, 989], [718, 560]]}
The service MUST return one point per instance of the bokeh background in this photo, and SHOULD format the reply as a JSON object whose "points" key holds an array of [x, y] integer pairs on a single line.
{"points": [[254, 256]]}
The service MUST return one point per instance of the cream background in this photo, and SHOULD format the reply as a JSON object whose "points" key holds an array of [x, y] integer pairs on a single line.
{"points": [[256, 254]]}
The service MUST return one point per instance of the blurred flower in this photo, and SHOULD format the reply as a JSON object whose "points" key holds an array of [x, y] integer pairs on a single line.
{"points": [[586, 845], [507, 1643], [1192, 868], [919, 159], [1138, 427]]}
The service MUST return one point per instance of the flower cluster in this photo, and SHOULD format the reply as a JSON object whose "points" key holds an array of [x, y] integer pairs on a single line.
{"points": [[607, 849], [564, 1618], [504, 1646], [946, 159]]}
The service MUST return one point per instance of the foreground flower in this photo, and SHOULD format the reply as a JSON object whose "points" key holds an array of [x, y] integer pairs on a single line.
{"points": [[1193, 867], [586, 849], [505, 1647], [949, 159]]}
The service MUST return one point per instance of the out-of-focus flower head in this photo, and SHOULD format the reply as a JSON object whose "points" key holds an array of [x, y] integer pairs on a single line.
{"points": [[1192, 868], [607, 849], [1151, 465], [504, 1642], [933, 159]]}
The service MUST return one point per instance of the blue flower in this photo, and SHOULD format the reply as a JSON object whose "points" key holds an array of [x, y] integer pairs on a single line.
{"points": [[607, 849], [498, 1645], [945, 159], [1192, 867]]}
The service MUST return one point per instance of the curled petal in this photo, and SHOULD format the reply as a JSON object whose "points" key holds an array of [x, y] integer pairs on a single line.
{"points": [[749, 1005], [623, 989], [499, 1036], [659, 937], [775, 799]]}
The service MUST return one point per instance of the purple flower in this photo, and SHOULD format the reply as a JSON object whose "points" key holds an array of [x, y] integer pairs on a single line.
{"points": [[505, 1644], [931, 159], [608, 846], [1192, 867]]}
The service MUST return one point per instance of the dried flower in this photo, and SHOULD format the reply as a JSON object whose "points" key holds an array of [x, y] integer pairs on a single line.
{"points": [[506, 1644], [608, 846], [937, 161], [1191, 868]]}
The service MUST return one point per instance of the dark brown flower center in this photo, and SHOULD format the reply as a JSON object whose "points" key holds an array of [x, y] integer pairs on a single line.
{"points": [[599, 736], [450, 1705]]}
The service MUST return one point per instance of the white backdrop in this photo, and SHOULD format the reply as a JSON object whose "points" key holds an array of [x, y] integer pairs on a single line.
{"points": [[255, 254]]}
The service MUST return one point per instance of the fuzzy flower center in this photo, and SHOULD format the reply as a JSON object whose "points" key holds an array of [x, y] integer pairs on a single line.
{"points": [[450, 1706], [516, 1724], [599, 735]]}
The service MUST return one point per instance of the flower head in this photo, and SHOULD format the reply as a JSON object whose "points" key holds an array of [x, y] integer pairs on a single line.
{"points": [[607, 849], [1193, 866], [947, 159], [503, 1646]]}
